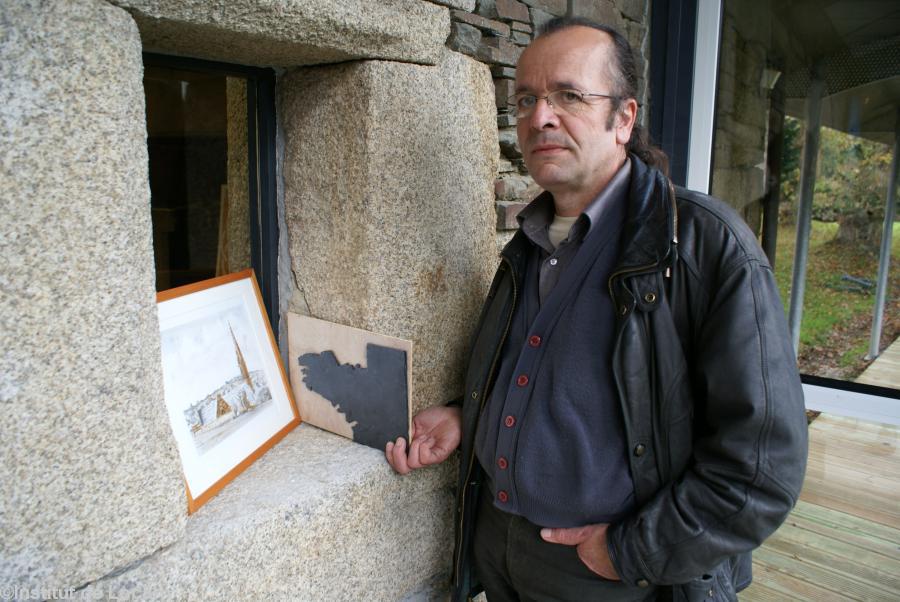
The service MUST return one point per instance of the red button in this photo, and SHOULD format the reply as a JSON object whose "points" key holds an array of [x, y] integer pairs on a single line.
{"points": [[534, 340], [522, 380], [502, 463], [510, 421], [502, 496]]}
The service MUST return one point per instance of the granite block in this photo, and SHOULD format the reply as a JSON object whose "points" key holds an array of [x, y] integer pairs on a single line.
{"points": [[372, 241], [93, 477], [287, 33], [466, 5], [316, 518]]}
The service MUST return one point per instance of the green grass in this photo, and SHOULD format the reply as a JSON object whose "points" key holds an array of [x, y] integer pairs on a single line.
{"points": [[825, 306]]}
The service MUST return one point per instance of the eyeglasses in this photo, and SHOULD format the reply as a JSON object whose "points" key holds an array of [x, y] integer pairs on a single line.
{"points": [[572, 102]]}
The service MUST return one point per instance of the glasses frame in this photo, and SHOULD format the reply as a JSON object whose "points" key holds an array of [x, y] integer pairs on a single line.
{"points": [[513, 105]]}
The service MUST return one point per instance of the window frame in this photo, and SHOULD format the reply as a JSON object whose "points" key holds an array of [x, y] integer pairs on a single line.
{"points": [[684, 47], [262, 190]]}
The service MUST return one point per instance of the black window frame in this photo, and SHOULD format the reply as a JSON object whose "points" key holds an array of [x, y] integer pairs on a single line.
{"points": [[673, 29], [260, 162], [673, 33]]}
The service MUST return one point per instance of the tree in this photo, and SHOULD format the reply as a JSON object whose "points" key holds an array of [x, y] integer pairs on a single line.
{"points": [[851, 181]]}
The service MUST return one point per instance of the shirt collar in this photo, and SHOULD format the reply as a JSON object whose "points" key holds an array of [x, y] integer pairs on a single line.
{"points": [[536, 217]]}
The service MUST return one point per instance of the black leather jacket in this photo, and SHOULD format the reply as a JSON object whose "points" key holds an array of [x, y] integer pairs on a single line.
{"points": [[712, 402]]}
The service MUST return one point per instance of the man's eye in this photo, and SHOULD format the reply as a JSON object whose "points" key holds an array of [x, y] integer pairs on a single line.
{"points": [[526, 102], [569, 97]]}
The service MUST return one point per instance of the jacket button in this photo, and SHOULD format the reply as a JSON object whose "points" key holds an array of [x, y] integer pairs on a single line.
{"points": [[639, 449], [474, 394], [502, 463], [623, 309], [534, 340], [522, 380], [650, 297], [502, 496], [642, 583], [510, 421]]}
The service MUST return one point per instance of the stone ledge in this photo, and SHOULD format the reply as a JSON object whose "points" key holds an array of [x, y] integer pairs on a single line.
{"points": [[318, 517], [287, 33]]}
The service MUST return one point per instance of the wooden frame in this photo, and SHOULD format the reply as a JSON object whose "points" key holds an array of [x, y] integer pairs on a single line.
{"points": [[351, 382], [226, 391]]}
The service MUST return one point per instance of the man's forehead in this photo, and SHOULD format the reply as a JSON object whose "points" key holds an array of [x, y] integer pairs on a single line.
{"points": [[563, 59]]}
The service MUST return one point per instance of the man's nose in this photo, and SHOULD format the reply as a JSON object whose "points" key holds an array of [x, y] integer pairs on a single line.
{"points": [[544, 116]]}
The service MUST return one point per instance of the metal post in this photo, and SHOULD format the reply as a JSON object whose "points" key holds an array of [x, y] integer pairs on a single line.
{"points": [[804, 212], [884, 258]]}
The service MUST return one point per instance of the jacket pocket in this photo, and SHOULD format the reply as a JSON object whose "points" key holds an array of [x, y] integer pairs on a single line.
{"points": [[715, 586]]}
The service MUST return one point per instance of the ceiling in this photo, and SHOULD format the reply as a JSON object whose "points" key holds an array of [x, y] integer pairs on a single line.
{"points": [[855, 45]]}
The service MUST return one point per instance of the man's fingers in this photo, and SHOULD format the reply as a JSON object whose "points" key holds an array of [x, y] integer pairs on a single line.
{"points": [[413, 459], [566, 537], [396, 455]]}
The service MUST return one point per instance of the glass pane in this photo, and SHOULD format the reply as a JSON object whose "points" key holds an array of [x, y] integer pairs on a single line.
{"points": [[197, 141], [770, 55]]}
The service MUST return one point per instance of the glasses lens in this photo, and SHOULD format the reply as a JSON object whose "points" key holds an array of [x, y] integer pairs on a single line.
{"points": [[570, 101], [520, 105]]}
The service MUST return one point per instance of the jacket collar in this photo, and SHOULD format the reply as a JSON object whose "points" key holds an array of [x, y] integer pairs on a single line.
{"points": [[650, 223], [651, 219]]}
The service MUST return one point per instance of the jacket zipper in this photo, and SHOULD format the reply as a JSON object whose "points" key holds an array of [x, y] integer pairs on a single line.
{"points": [[674, 222], [485, 387], [635, 271]]}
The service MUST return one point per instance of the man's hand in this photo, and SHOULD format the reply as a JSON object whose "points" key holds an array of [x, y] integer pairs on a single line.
{"points": [[591, 543], [435, 434]]}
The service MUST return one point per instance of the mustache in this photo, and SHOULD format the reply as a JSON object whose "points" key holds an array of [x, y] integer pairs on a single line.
{"points": [[545, 138]]}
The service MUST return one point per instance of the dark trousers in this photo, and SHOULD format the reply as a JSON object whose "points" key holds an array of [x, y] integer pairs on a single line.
{"points": [[513, 563]]}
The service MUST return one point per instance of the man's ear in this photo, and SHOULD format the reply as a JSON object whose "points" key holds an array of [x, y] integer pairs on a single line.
{"points": [[625, 119]]}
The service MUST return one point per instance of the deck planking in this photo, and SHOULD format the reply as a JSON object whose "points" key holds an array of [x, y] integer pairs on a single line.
{"points": [[842, 541], [885, 370]]}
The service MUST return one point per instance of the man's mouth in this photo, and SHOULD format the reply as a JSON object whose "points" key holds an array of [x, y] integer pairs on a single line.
{"points": [[547, 148]]}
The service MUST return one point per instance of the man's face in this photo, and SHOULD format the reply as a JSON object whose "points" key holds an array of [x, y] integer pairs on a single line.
{"points": [[565, 153]]}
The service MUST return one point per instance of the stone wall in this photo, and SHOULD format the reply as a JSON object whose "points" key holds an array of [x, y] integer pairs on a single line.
{"points": [[742, 110], [381, 239], [390, 173], [91, 477]]}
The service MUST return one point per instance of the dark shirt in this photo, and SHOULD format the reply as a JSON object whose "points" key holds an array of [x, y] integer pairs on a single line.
{"points": [[536, 218], [551, 438]]}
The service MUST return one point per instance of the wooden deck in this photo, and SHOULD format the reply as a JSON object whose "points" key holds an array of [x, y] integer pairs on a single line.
{"points": [[842, 541], [885, 370]]}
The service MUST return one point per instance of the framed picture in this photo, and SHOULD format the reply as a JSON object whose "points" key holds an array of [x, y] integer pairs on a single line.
{"points": [[226, 391], [349, 381]]}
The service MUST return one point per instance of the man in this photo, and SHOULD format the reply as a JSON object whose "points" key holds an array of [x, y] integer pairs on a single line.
{"points": [[633, 422]]}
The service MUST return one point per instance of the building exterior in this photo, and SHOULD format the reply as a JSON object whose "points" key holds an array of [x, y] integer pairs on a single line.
{"points": [[386, 127], [367, 148]]}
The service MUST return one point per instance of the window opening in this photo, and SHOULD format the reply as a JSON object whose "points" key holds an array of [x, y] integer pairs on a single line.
{"points": [[210, 139]]}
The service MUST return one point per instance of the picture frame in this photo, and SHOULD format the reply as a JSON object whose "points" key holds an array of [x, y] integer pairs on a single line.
{"points": [[226, 390]]}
